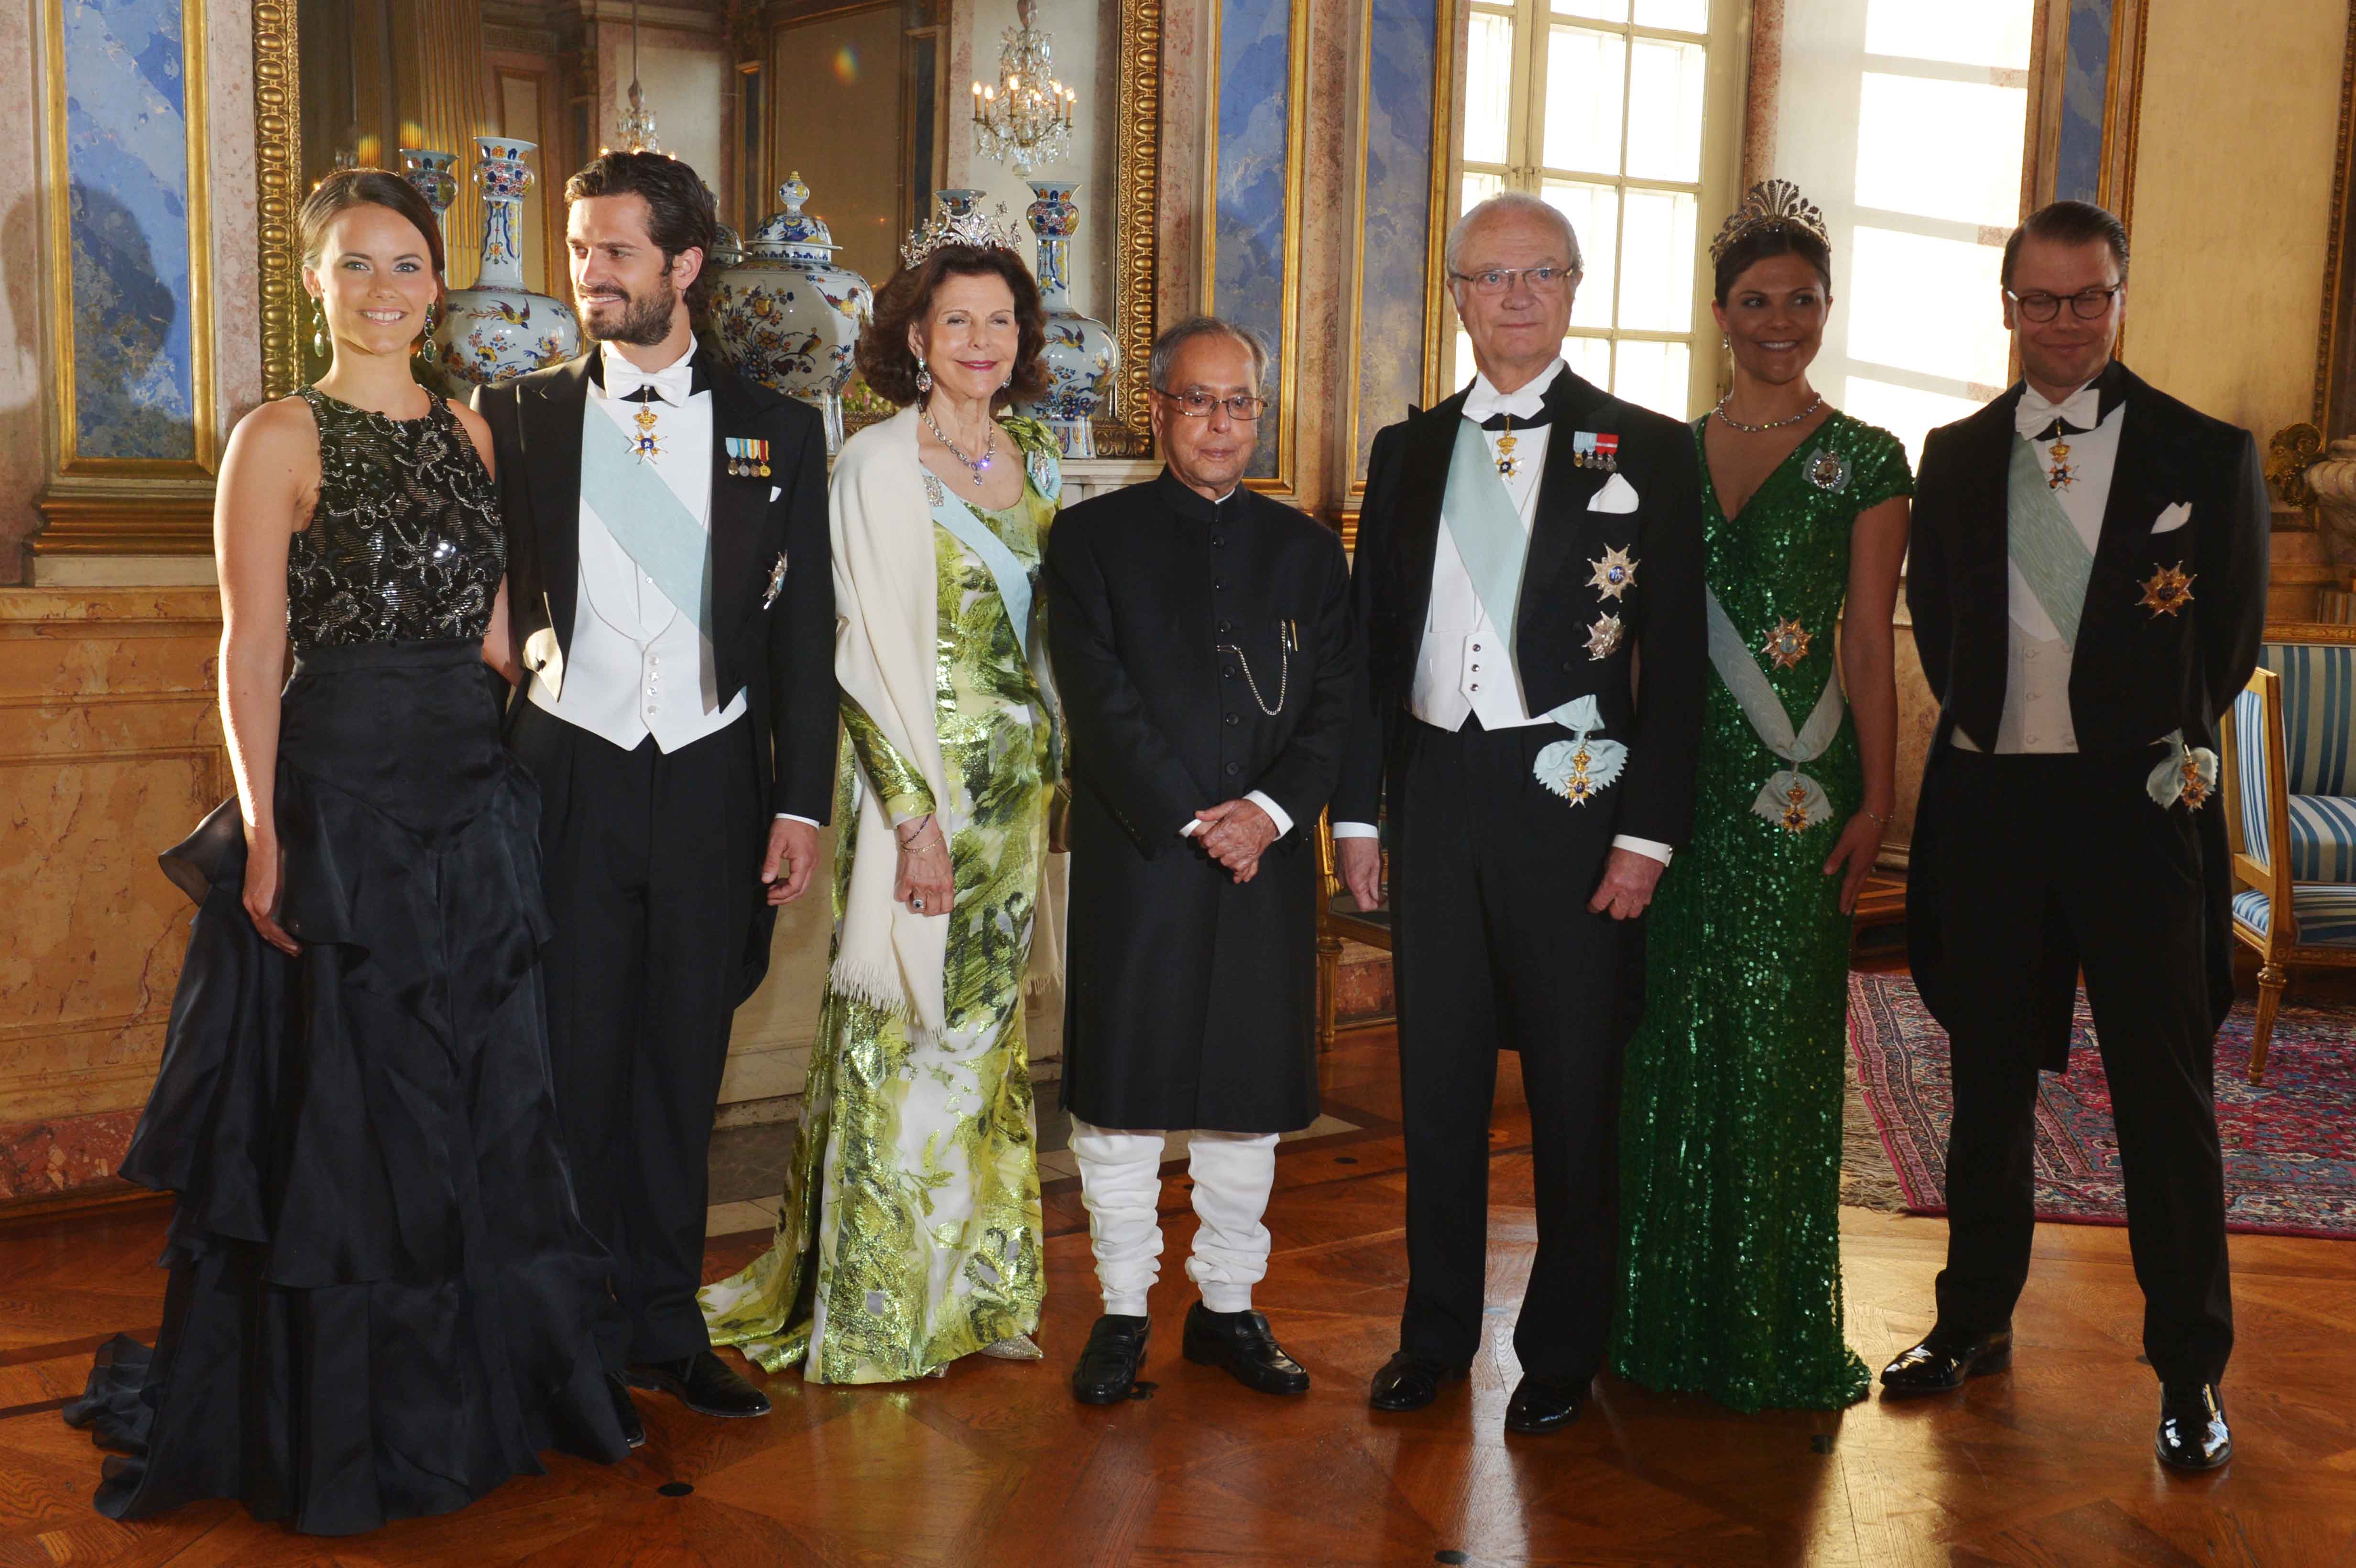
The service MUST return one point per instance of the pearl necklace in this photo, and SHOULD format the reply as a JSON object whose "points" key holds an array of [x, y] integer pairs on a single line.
{"points": [[980, 466], [1732, 423]]}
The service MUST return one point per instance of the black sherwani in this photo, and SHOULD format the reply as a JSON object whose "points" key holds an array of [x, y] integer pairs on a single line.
{"points": [[1191, 998], [1490, 872], [2026, 869], [652, 860]]}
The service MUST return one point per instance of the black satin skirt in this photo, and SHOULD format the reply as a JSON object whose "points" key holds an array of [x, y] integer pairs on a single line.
{"points": [[383, 1302]]}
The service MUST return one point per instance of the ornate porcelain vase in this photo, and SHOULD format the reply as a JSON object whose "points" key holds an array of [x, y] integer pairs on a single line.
{"points": [[789, 316], [498, 329], [1081, 351], [430, 173]]}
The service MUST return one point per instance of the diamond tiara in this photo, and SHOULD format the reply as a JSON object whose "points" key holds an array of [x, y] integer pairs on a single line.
{"points": [[968, 228], [1770, 204]]}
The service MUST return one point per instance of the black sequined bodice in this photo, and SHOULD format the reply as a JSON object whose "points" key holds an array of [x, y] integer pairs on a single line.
{"points": [[405, 544]]}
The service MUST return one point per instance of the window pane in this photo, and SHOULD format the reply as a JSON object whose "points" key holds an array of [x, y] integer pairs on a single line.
{"points": [[1653, 376], [1464, 366], [1656, 261], [1488, 87], [1904, 411], [1594, 214], [1941, 149], [1986, 32], [1591, 358], [1680, 15], [1478, 188], [1929, 305], [1665, 99], [1585, 73], [1600, 10]]}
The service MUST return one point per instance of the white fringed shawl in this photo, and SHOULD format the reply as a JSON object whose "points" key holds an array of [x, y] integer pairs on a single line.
{"points": [[887, 614]]}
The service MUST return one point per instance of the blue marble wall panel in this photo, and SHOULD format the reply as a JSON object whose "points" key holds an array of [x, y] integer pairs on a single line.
{"points": [[1255, 115], [127, 193], [2085, 89], [1401, 46]]}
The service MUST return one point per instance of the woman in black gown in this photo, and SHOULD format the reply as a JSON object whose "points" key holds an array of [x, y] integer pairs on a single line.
{"points": [[383, 1303]]}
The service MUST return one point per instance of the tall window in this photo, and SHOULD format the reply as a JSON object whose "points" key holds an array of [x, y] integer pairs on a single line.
{"points": [[1622, 113]]}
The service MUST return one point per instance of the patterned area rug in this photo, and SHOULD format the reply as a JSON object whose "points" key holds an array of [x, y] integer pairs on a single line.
{"points": [[2290, 1144]]}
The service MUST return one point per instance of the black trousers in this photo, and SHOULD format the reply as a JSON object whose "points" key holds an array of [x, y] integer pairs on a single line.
{"points": [[1491, 875], [650, 861], [2033, 851]]}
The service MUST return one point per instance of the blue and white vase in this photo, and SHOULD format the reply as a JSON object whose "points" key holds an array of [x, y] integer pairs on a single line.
{"points": [[1081, 350], [498, 329], [790, 317], [430, 172]]}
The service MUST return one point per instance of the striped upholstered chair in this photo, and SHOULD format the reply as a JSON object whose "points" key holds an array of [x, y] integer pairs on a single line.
{"points": [[2290, 816]]}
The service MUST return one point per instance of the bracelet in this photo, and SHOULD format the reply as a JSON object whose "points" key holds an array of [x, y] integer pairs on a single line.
{"points": [[1878, 819], [919, 824], [917, 847]]}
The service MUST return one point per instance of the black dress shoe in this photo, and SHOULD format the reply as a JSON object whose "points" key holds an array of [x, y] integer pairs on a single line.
{"points": [[1545, 1404], [1410, 1382], [1241, 1342], [703, 1383], [1944, 1361], [625, 1412], [1110, 1362], [2192, 1431]]}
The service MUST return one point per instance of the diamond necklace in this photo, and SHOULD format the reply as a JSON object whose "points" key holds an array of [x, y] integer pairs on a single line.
{"points": [[980, 466], [1732, 423]]}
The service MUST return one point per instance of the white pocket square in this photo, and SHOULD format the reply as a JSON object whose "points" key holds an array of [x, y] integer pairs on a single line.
{"points": [[2172, 517], [775, 492], [1617, 495]]}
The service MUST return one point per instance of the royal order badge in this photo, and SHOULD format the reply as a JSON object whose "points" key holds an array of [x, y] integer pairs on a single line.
{"points": [[646, 442], [1614, 574], [1603, 636], [1787, 645], [1828, 471], [2166, 592]]}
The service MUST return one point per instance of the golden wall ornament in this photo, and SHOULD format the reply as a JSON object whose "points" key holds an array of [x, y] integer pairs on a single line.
{"points": [[2294, 450], [278, 156]]}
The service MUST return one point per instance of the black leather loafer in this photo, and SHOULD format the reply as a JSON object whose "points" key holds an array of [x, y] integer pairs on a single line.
{"points": [[2192, 1431], [626, 1412], [1410, 1382], [1942, 1362], [1110, 1362], [1243, 1344], [1545, 1404], [703, 1383]]}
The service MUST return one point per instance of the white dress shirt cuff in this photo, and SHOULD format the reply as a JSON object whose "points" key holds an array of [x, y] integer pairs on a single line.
{"points": [[1357, 830], [1645, 847], [1276, 814], [789, 816]]}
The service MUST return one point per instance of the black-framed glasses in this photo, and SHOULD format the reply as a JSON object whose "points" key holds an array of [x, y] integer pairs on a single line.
{"points": [[1497, 280], [1196, 403], [2086, 304]]}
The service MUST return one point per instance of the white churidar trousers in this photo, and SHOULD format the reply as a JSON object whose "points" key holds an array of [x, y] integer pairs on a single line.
{"points": [[1120, 1181]]}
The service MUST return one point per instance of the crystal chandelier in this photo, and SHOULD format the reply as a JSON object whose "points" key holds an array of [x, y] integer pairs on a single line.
{"points": [[636, 129], [1025, 119]]}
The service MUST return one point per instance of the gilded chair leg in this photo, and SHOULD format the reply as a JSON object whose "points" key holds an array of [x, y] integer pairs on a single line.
{"points": [[1329, 986], [2272, 979]]}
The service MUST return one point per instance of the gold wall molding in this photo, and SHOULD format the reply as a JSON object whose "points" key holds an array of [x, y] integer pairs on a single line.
{"points": [[1126, 428], [2122, 108], [277, 160]]}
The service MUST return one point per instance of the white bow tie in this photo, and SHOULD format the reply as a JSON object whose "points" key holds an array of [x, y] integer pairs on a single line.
{"points": [[1485, 402], [2034, 416], [672, 384]]}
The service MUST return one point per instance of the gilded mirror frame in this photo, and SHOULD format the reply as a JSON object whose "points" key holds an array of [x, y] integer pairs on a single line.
{"points": [[1122, 427]]}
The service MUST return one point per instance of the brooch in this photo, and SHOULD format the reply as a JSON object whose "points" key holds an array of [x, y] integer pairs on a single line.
{"points": [[2166, 592], [1787, 645], [746, 457], [934, 495], [777, 581], [1590, 449], [645, 443], [1828, 471], [1614, 574], [1603, 636], [1042, 475]]}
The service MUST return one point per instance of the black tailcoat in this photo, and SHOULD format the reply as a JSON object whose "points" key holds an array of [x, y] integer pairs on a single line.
{"points": [[2134, 675], [781, 653], [1191, 998]]}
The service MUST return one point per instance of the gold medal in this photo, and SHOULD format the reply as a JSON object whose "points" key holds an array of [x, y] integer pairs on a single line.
{"points": [[647, 443], [1795, 814], [1787, 645], [2060, 477], [2166, 592], [1507, 463]]}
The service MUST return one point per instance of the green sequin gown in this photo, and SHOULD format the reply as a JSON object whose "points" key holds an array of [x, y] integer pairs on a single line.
{"points": [[909, 1231], [1730, 1115]]}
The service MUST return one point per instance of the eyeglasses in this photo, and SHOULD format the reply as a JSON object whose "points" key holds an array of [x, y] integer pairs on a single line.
{"points": [[1497, 280], [1196, 403], [2086, 304]]}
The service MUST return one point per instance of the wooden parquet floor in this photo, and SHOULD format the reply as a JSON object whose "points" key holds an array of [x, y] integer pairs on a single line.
{"points": [[994, 1464]]}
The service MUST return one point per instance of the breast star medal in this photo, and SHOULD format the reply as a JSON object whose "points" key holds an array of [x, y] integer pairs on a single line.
{"points": [[777, 581], [2060, 476], [1787, 645], [1507, 463], [646, 442], [1614, 574], [2166, 592], [1603, 636]]}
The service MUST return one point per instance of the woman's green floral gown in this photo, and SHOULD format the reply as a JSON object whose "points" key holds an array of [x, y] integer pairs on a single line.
{"points": [[910, 1229], [1731, 1116]]}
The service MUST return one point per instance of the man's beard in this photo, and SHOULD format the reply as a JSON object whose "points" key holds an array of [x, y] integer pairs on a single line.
{"points": [[645, 322]]}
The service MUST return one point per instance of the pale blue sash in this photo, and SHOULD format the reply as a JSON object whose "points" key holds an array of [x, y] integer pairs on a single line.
{"points": [[649, 521], [1755, 695], [1005, 568], [2044, 548], [1480, 516]]}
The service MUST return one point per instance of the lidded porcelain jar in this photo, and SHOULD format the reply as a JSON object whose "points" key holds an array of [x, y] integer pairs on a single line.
{"points": [[790, 317], [498, 329], [1081, 351]]}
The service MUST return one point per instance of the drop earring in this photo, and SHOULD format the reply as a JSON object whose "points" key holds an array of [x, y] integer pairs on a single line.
{"points": [[318, 327], [924, 377]]}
